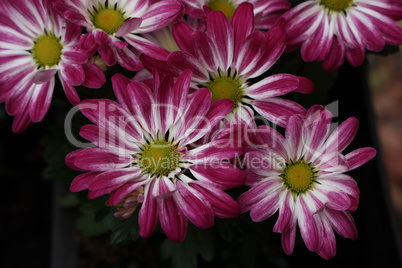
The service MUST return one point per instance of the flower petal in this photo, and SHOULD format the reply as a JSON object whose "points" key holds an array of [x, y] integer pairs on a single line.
{"points": [[194, 206], [148, 216]]}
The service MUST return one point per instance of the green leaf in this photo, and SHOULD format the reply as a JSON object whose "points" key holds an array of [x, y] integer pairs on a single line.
{"points": [[69, 200], [185, 254], [123, 231], [93, 205], [89, 226]]}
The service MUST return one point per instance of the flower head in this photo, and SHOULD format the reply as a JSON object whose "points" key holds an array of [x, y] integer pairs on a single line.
{"points": [[142, 151], [329, 30], [301, 176], [228, 55], [116, 26], [36, 44], [266, 12]]}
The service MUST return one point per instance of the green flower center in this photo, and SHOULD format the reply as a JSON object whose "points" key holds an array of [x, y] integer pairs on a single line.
{"points": [[337, 5], [299, 176], [226, 6], [226, 88], [159, 158], [47, 50], [108, 20]]}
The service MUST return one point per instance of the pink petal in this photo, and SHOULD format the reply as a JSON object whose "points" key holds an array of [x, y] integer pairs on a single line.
{"points": [[217, 111], [173, 222], [222, 204], [161, 14], [75, 56], [288, 240], [107, 54], [44, 76], [355, 56], [343, 135], [120, 83], [128, 59], [21, 122], [181, 32], [320, 40], [214, 151], [223, 174], [73, 74], [194, 206], [112, 119], [342, 222], [147, 47], [277, 110], [334, 57], [129, 26], [82, 181], [243, 24], [148, 216], [70, 159], [87, 43], [123, 186], [273, 142], [359, 157], [141, 105], [114, 178], [179, 61], [258, 192], [250, 52], [307, 225], [70, 92], [305, 86], [264, 208], [205, 50], [315, 131], [371, 37], [328, 249], [100, 159], [40, 100], [275, 45], [272, 86], [94, 76], [197, 107], [221, 32], [287, 216], [294, 136]]}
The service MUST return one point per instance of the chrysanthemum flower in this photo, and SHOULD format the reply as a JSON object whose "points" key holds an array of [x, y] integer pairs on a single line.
{"points": [[301, 177], [116, 24], [331, 30], [36, 44], [229, 54], [266, 12], [142, 149]]}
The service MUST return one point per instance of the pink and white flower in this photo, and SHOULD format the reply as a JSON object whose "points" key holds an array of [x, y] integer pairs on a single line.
{"points": [[36, 44], [332, 30], [267, 12], [142, 151], [301, 176], [228, 55], [116, 25]]}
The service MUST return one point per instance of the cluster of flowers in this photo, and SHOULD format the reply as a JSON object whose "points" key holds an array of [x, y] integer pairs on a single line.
{"points": [[170, 143]]}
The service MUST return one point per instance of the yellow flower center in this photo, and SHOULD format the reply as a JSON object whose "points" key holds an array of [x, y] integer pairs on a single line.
{"points": [[226, 88], [299, 176], [159, 158], [47, 51], [337, 5], [108, 20], [226, 6]]}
